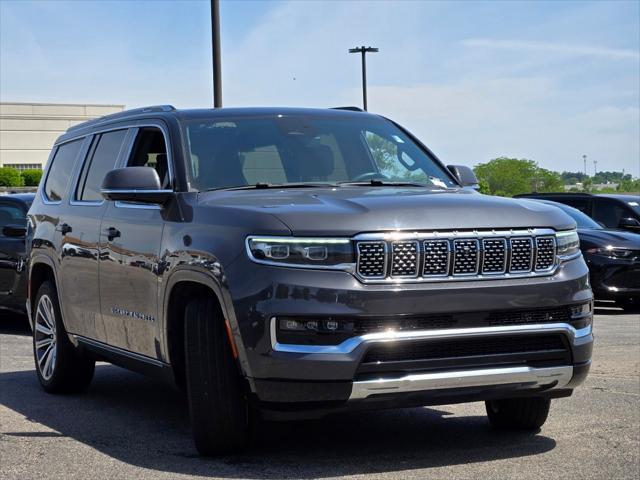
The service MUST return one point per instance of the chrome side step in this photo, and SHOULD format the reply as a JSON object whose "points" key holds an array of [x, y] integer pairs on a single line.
{"points": [[526, 377]]}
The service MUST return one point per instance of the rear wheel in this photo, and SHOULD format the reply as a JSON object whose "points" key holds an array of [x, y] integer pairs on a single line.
{"points": [[60, 367], [218, 402], [518, 413]]}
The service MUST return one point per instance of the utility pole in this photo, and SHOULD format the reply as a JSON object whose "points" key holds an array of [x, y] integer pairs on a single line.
{"points": [[584, 159], [215, 50], [595, 168], [364, 50]]}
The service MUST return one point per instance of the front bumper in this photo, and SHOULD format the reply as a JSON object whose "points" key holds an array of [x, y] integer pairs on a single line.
{"points": [[614, 278], [283, 374]]}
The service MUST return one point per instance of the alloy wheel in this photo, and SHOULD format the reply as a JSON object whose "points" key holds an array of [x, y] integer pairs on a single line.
{"points": [[45, 337]]}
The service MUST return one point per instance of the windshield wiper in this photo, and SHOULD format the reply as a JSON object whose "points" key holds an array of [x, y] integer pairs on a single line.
{"points": [[375, 182], [265, 185]]}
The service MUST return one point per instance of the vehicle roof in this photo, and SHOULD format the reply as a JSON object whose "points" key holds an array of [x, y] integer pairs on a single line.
{"points": [[168, 111]]}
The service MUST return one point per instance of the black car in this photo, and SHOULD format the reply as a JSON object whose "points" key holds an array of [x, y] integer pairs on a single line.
{"points": [[13, 225], [617, 211], [613, 257], [283, 263]]}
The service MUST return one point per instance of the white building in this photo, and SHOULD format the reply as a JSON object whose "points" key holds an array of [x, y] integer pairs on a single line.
{"points": [[28, 130]]}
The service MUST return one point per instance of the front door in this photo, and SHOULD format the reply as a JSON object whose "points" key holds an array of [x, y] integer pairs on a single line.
{"points": [[130, 257]]}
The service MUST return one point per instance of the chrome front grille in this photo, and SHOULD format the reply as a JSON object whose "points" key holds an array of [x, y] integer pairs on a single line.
{"points": [[455, 256]]}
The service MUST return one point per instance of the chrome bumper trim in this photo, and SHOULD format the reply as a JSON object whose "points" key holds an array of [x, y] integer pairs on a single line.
{"points": [[524, 377], [351, 344]]}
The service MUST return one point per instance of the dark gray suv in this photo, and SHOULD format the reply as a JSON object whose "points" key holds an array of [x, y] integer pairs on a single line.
{"points": [[282, 263]]}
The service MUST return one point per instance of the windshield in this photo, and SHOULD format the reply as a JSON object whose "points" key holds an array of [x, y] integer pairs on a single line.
{"points": [[582, 220], [289, 150]]}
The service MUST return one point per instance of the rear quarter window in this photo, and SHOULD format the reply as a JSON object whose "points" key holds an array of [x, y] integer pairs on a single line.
{"points": [[59, 174]]}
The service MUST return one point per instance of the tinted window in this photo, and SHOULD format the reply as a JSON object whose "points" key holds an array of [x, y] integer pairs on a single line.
{"points": [[150, 150], [581, 204], [11, 214], [582, 220], [60, 171], [102, 158], [608, 212], [300, 149]]}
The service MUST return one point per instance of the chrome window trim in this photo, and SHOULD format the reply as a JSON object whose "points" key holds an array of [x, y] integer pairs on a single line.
{"points": [[82, 153], [135, 205], [351, 344]]}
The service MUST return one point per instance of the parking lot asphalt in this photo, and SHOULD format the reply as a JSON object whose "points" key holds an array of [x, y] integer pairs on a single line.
{"points": [[127, 426]]}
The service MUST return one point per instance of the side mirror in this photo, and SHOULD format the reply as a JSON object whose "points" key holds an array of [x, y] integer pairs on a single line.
{"points": [[134, 184], [14, 231], [629, 223], [465, 176]]}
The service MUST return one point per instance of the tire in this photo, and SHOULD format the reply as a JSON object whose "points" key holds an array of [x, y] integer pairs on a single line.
{"points": [[60, 367], [218, 404], [518, 413]]}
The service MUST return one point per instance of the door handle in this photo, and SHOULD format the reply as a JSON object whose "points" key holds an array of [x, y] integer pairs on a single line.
{"points": [[112, 233], [64, 228]]}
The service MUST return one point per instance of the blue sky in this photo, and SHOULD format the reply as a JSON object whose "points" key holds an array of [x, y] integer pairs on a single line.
{"points": [[545, 80]]}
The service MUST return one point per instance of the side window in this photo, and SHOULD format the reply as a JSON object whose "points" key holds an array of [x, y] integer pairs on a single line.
{"points": [[102, 158], [59, 172], [581, 204], [150, 150], [11, 214], [607, 212]]}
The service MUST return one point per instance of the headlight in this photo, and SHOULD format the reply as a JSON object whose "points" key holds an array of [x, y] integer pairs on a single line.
{"points": [[568, 243], [301, 252]]}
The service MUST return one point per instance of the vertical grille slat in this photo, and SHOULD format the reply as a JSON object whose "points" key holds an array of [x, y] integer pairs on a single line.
{"points": [[436, 258], [494, 255], [372, 259], [521, 254], [404, 259], [545, 253], [466, 256]]}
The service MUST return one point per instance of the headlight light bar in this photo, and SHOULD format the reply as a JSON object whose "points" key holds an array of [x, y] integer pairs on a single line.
{"points": [[302, 252]]}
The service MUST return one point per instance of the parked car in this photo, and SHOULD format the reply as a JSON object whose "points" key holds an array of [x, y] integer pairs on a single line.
{"points": [[13, 227], [286, 263], [612, 211], [613, 257]]}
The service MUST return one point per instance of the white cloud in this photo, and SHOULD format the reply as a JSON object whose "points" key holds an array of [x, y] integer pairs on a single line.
{"points": [[552, 48]]}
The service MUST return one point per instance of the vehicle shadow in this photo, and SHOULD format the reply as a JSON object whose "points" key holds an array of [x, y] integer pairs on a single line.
{"points": [[145, 423], [13, 324]]}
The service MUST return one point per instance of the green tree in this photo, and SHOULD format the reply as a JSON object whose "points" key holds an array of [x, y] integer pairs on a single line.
{"points": [[10, 177], [32, 177], [510, 176]]}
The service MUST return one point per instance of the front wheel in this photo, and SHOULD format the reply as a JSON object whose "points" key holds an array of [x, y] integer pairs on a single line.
{"points": [[60, 367], [518, 413], [218, 402]]}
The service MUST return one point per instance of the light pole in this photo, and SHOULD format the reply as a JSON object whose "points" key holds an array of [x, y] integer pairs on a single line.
{"points": [[215, 51], [584, 159], [364, 50]]}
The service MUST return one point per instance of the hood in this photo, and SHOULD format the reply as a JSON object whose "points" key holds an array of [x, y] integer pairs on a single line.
{"points": [[351, 210], [605, 238]]}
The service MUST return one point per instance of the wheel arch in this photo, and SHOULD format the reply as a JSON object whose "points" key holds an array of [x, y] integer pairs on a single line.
{"points": [[41, 269], [182, 286]]}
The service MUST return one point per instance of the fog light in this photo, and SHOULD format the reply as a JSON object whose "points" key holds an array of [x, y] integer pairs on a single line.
{"points": [[331, 325], [312, 325], [314, 331], [582, 315]]}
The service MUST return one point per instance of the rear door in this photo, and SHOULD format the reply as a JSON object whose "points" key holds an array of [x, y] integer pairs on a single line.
{"points": [[130, 241], [80, 230]]}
